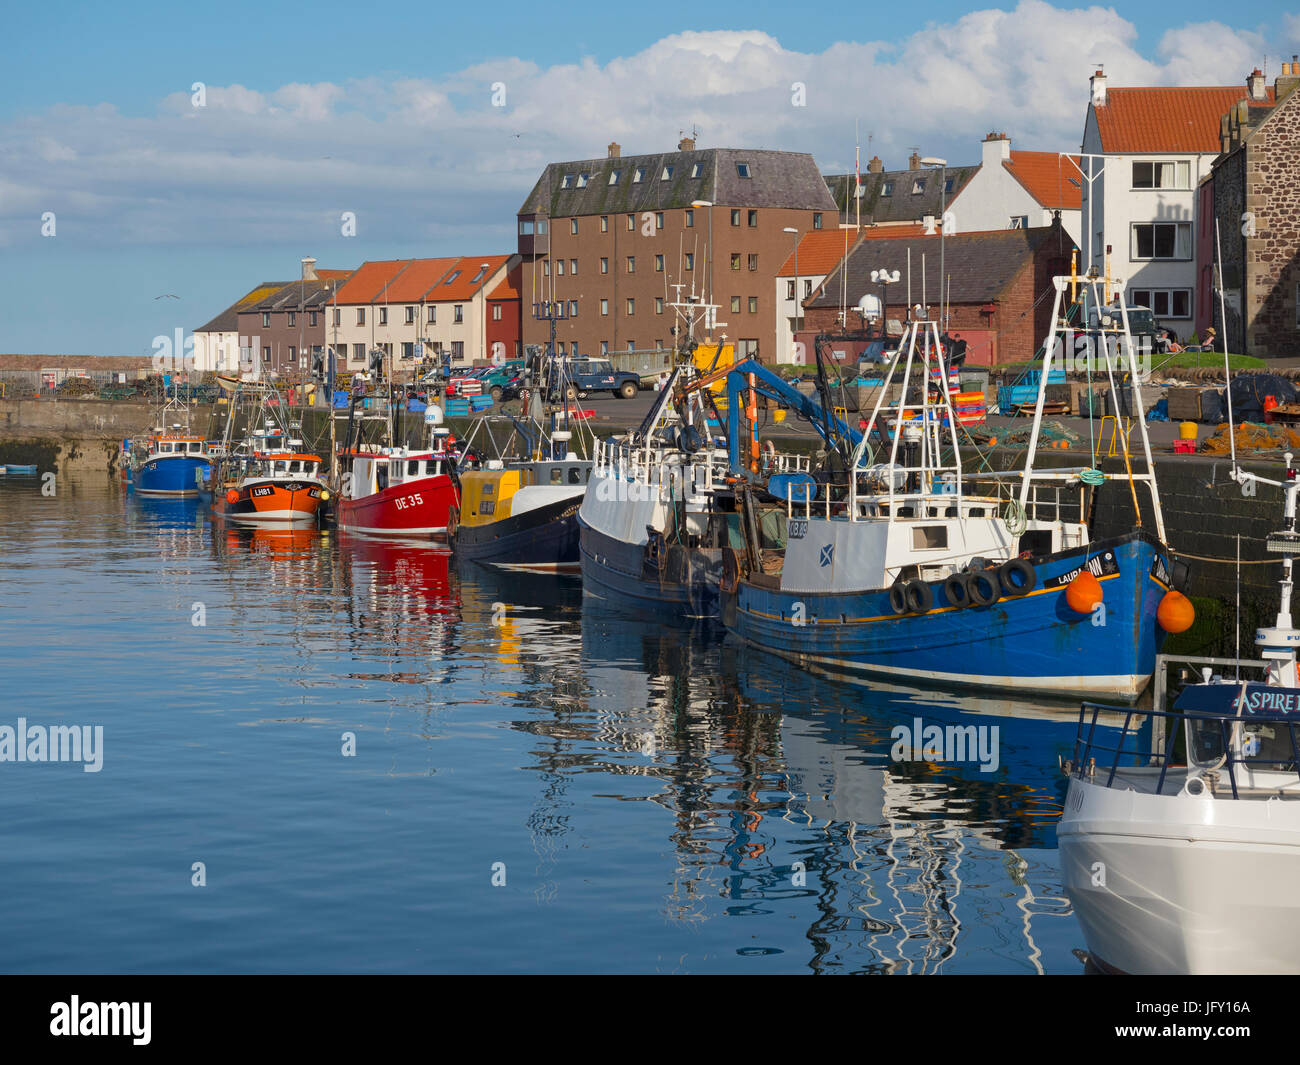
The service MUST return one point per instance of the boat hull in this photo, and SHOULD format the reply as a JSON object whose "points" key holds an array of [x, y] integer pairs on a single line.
{"points": [[415, 509], [269, 502], [686, 582], [1031, 642], [542, 539], [182, 475], [1182, 884]]}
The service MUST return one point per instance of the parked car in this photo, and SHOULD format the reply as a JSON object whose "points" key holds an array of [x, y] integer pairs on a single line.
{"points": [[599, 375]]}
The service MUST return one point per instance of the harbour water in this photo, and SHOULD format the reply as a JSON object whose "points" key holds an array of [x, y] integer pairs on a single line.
{"points": [[324, 754]]}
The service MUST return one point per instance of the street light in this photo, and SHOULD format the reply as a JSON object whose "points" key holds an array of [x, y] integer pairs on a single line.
{"points": [[797, 305], [942, 164], [709, 204]]}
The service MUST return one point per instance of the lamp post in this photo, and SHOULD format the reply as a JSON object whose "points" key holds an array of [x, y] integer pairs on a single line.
{"points": [[708, 204], [797, 305], [942, 164]]}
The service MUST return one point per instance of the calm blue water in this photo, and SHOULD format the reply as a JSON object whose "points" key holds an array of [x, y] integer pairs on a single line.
{"points": [[648, 788]]}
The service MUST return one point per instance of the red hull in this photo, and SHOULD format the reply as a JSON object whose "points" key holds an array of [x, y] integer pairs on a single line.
{"points": [[414, 508]]}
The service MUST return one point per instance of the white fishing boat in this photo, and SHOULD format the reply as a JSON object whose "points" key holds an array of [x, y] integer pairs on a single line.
{"points": [[1180, 842]]}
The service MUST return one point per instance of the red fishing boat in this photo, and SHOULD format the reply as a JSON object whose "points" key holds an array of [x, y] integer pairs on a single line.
{"points": [[397, 491]]}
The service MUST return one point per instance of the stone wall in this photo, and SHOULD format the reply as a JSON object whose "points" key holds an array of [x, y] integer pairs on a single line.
{"points": [[1273, 254]]}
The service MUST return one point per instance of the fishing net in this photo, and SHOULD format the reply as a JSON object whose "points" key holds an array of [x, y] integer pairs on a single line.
{"points": [[1052, 434], [1252, 436]]}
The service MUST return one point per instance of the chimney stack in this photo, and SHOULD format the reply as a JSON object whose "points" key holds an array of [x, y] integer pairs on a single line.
{"points": [[1255, 83], [686, 144], [875, 166], [1098, 85], [614, 150], [1287, 80], [309, 269], [914, 161], [996, 149]]}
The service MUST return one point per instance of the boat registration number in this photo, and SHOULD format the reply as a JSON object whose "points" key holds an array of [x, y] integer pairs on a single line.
{"points": [[262, 490], [1100, 565], [406, 502], [798, 528]]}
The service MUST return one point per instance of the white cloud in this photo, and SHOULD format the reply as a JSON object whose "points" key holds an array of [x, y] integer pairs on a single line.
{"points": [[416, 158]]}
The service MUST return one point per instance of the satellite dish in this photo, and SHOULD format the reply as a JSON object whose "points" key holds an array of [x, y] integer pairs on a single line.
{"points": [[869, 306], [433, 414]]}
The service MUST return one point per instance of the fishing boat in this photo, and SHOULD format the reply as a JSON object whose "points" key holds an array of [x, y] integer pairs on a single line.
{"points": [[1180, 842], [171, 460], [900, 570], [18, 469]]}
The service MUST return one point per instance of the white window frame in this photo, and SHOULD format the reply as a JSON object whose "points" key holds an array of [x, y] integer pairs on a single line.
{"points": [[1133, 249]]}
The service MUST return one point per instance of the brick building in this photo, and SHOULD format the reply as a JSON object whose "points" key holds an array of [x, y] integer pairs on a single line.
{"points": [[1000, 294], [611, 240], [280, 333], [1253, 191], [504, 324]]}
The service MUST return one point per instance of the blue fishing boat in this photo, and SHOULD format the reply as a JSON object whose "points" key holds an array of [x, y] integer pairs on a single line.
{"points": [[18, 469], [900, 570], [169, 461]]}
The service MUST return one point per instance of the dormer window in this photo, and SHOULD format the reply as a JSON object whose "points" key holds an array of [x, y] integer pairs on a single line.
{"points": [[742, 170], [582, 180], [614, 175], [886, 190], [567, 182], [637, 175], [918, 186], [667, 174], [697, 169]]}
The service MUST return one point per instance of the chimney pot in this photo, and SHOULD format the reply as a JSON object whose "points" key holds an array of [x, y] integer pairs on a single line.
{"points": [[686, 144], [615, 151], [875, 166], [914, 161]]}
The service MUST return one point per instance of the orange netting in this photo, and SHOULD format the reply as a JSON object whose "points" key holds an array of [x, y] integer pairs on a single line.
{"points": [[1251, 436]]}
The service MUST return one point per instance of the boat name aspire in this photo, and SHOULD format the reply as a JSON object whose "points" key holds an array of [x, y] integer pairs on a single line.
{"points": [[55, 743], [951, 743]]}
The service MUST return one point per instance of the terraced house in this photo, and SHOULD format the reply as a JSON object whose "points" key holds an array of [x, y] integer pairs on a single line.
{"points": [[282, 332], [612, 243]]}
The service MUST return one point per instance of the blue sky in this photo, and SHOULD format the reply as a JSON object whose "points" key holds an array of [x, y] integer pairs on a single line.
{"points": [[311, 110]]}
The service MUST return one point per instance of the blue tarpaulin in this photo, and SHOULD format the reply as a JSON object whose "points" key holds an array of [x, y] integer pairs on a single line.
{"points": [[1160, 412]]}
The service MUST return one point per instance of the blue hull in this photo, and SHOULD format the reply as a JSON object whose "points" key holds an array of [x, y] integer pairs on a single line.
{"points": [[541, 539], [183, 475], [686, 583], [1032, 642]]}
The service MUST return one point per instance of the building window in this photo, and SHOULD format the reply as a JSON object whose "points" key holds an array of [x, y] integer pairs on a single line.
{"points": [[631, 264], [1019, 221], [918, 186], [631, 310], [659, 220], [697, 169], [637, 175], [559, 348], [817, 220], [456, 273], [1162, 240], [293, 353], [433, 316], [1162, 175], [573, 266], [383, 315], [408, 349], [614, 175], [604, 347], [735, 217], [266, 319], [604, 266], [410, 316], [753, 219], [631, 222], [361, 316], [659, 264], [546, 267], [807, 288], [541, 228], [631, 345], [458, 350], [887, 189], [753, 261], [573, 308], [690, 260], [293, 318], [525, 227], [559, 267], [742, 170], [735, 260], [358, 352], [789, 290], [1163, 302], [604, 223], [311, 318], [573, 226], [947, 186], [604, 307], [753, 304], [735, 304], [667, 174], [496, 312], [690, 218], [582, 183], [567, 181], [748, 349], [458, 314], [338, 317], [659, 305]]}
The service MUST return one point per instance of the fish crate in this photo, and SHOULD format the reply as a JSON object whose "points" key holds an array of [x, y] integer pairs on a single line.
{"points": [[457, 408], [1184, 447]]}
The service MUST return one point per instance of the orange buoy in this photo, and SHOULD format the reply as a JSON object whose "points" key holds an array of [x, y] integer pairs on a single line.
{"points": [[1175, 612], [1083, 593], [232, 497]]}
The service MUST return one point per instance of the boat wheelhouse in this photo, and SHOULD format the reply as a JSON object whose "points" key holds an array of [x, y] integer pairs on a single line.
{"points": [[169, 462]]}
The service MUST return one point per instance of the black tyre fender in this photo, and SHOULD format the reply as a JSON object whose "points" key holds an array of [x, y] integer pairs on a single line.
{"points": [[898, 598], [957, 592], [919, 596], [984, 587], [1017, 577]]}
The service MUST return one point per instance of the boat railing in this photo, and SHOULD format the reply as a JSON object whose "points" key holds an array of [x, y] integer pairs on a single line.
{"points": [[1213, 745]]}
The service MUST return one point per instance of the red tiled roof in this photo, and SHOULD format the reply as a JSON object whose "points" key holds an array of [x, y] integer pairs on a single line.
{"points": [[333, 275], [462, 286], [1052, 179], [418, 278], [369, 279], [508, 289], [819, 252], [1166, 120]]}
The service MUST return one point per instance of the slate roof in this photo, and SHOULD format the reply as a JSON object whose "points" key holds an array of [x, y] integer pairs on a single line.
{"points": [[228, 320], [777, 179], [1158, 120], [902, 205], [980, 265], [1049, 178], [305, 295]]}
